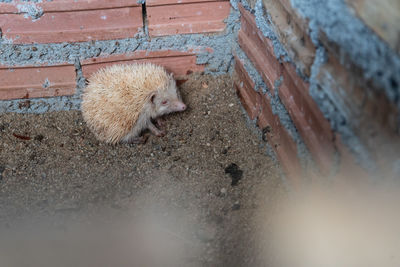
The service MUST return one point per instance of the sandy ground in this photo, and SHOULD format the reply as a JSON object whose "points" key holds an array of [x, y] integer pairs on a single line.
{"points": [[55, 174]]}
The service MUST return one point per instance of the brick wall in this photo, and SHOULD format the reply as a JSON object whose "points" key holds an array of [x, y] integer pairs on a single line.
{"points": [[48, 47], [287, 63]]}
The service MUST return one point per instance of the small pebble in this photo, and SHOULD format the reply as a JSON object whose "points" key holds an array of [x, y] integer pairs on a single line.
{"points": [[206, 234], [230, 105], [236, 206], [224, 191]]}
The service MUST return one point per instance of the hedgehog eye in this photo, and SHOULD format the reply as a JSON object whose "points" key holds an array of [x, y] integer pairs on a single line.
{"points": [[164, 102]]}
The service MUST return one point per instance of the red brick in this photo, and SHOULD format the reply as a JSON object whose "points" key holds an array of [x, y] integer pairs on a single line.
{"points": [[383, 19], [249, 99], [73, 26], [179, 63], [259, 49], [266, 117], [307, 117], [307, 101], [171, 2], [359, 98], [187, 18], [258, 105], [27, 81], [369, 113], [67, 5], [295, 40], [245, 90], [294, 15], [281, 142], [242, 73]]}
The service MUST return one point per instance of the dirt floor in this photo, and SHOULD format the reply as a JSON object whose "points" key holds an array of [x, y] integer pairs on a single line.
{"points": [[206, 184]]}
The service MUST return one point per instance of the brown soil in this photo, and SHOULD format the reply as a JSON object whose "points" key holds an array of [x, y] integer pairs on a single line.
{"points": [[52, 167]]}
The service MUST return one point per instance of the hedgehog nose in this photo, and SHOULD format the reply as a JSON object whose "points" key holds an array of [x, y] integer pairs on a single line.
{"points": [[179, 106]]}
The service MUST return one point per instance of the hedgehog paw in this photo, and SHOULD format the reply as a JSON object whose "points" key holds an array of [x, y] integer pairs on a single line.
{"points": [[138, 140], [154, 130], [160, 122], [160, 133]]}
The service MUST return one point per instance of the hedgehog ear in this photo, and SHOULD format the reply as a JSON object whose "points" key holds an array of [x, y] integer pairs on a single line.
{"points": [[152, 97]]}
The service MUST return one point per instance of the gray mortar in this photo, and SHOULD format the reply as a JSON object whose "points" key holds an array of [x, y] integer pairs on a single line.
{"points": [[41, 105], [30, 10], [263, 21], [218, 62], [33, 1], [46, 83], [234, 4], [334, 111], [252, 125], [366, 49], [264, 24], [51, 54], [331, 108]]}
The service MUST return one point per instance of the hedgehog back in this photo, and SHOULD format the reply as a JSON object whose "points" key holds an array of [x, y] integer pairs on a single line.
{"points": [[115, 96]]}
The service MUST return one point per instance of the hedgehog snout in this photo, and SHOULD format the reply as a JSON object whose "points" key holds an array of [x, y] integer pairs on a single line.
{"points": [[183, 107], [180, 106]]}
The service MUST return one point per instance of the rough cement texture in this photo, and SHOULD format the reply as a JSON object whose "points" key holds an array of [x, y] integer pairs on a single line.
{"points": [[334, 110], [234, 4], [32, 1], [252, 126], [64, 52], [264, 24], [30, 10], [365, 49], [218, 62]]}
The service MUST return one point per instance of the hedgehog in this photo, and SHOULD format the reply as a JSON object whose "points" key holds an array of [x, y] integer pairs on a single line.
{"points": [[121, 101]]}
